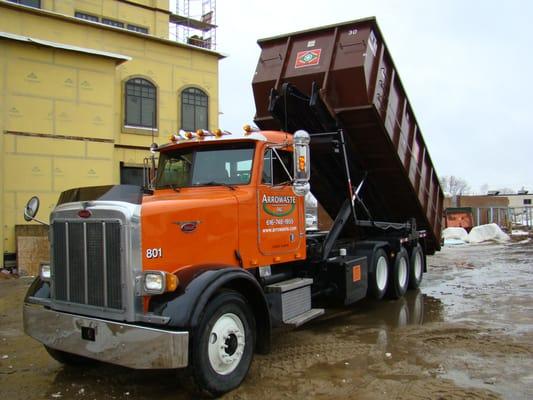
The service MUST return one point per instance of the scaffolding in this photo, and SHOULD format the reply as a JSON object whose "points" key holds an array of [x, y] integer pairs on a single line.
{"points": [[194, 22]]}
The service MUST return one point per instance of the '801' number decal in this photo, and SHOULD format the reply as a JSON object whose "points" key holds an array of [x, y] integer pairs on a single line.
{"points": [[154, 253]]}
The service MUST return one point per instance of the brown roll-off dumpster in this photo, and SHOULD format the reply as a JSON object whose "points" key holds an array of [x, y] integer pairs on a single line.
{"points": [[342, 78]]}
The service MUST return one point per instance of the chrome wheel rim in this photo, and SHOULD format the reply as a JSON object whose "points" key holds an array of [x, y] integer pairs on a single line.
{"points": [[402, 272], [418, 266], [381, 273], [226, 343]]}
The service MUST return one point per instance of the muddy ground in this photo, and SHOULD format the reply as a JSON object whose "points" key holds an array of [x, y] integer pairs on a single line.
{"points": [[468, 333]]}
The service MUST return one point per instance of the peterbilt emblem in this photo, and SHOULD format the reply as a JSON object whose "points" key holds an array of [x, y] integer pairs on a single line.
{"points": [[187, 226]]}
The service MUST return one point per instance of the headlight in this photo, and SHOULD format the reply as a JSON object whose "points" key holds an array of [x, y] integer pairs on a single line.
{"points": [[45, 272], [157, 282], [154, 282]]}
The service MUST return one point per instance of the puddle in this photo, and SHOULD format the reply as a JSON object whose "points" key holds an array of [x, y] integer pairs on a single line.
{"points": [[415, 308]]}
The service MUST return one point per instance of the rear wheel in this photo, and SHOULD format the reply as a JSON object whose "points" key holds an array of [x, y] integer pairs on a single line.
{"points": [[399, 275], [223, 353], [416, 267], [378, 277]]}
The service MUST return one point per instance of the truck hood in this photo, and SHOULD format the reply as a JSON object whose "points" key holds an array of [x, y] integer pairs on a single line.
{"points": [[194, 226]]}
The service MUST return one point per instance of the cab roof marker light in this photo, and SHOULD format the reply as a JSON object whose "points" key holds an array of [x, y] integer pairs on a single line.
{"points": [[249, 130], [185, 134], [198, 134]]}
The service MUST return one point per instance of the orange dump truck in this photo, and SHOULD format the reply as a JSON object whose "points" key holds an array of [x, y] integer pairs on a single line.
{"points": [[197, 268]]}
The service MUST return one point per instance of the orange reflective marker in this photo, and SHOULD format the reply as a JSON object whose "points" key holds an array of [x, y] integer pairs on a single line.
{"points": [[356, 273], [301, 163], [171, 282]]}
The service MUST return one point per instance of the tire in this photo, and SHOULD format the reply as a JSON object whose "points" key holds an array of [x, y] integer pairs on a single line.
{"points": [[224, 344], [69, 358], [378, 277], [399, 275], [416, 267]]}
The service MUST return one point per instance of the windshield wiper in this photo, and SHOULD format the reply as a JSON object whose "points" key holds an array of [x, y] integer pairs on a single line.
{"points": [[215, 183]]}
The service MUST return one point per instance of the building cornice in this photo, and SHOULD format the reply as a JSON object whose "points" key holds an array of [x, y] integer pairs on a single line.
{"points": [[119, 58]]}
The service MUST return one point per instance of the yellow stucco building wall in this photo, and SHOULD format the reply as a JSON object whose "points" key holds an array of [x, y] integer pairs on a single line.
{"points": [[62, 100]]}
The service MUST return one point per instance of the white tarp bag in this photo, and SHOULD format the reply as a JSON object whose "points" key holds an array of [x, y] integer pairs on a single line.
{"points": [[483, 233], [455, 234]]}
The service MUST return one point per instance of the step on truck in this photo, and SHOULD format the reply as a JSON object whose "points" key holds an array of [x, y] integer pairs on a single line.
{"points": [[197, 269]]}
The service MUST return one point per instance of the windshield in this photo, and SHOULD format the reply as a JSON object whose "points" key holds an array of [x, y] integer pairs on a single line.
{"points": [[228, 164]]}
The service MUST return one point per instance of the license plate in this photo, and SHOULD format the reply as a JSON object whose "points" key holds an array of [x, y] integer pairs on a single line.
{"points": [[88, 333]]}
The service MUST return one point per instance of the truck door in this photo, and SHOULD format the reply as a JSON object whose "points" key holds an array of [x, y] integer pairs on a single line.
{"points": [[280, 211]]}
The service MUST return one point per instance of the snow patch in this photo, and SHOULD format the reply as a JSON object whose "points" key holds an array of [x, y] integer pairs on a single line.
{"points": [[483, 233], [453, 242], [455, 234]]}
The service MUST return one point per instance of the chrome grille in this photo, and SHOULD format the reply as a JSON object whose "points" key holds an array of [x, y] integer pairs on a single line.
{"points": [[86, 263]]}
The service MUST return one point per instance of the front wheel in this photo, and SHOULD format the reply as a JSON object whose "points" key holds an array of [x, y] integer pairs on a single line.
{"points": [[224, 345]]}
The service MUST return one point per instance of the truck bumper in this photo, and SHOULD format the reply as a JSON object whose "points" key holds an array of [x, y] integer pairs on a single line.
{"points": [[118, 343]]}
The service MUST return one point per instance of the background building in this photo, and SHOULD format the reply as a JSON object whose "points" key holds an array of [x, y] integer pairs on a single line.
{"points": [[485, 209], [500, 208], [85, 85], [520, 207]]}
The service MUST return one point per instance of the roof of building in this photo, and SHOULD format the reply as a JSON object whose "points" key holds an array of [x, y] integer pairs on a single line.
{"points": [[11, 36], [70, 18]]}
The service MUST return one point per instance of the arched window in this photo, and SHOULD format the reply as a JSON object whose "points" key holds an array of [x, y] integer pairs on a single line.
{"points": [[141, 100], [193, 109]]}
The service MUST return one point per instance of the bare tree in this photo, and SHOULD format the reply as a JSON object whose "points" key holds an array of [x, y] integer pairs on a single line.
{"points": [[454, 186]]}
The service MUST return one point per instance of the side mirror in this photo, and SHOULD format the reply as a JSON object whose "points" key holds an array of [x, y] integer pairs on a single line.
{"points": [[302, 163], [31, 209]]}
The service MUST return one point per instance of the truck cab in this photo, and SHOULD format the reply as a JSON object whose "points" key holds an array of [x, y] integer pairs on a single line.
{"points": [[224, 200]]}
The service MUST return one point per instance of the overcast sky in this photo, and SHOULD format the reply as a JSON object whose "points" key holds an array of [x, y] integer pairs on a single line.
{"points": [[466, 66]]}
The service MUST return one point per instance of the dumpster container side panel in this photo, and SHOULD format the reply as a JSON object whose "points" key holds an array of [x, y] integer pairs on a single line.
{"points": [[393, 110], [351, 61], [373, 66], [383, 85], [403, 142], [362, 91], [267, 72], [415, 154]]}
